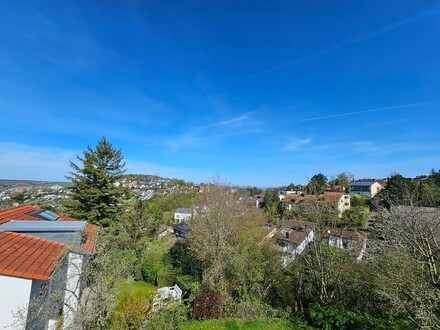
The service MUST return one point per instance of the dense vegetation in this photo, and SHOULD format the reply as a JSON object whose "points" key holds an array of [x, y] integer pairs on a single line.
{"points": [[230, 272]]}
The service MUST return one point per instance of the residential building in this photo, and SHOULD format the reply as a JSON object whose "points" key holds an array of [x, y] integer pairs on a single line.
{"points": [[181, 230], [352, 242], [293, 238], [163, 231], [41, 257], [366, 189], [336, 201], [182, 215], [252, 201]]}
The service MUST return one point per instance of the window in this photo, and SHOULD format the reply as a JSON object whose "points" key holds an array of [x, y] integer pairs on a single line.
{"points": [[48, 215]]}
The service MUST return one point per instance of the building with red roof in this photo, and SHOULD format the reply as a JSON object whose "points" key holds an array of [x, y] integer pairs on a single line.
{"points": [[41, 255]]}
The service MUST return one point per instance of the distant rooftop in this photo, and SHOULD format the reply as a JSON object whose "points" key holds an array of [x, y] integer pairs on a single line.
{"points": [[362, 183], [183, 210]]}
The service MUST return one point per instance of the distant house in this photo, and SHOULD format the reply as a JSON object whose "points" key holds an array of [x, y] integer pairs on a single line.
{"points": [[163, 230], [293, 238], [181, 230], [252, 201], [352, 242], [41, 256], [366, 189], [182, 215], [331, 200]]}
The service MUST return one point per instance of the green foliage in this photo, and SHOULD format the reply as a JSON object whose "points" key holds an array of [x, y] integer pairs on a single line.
{"points": [[338, 318], [356, 216], [342, 179], [317, 184], [359, 201], [231, 324], [169, 319], [152, 261], [133, 304], [94, 195]]}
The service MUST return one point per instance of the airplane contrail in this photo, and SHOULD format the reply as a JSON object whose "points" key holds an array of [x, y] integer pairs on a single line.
{"points": [[366, 111], [345, 43]]}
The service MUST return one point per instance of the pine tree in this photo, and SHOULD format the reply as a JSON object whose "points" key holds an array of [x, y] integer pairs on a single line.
{"points": [[95, 196]]}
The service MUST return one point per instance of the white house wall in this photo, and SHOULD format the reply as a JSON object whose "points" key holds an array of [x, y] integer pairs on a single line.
{"points": [[14, 294], [72, 287]]}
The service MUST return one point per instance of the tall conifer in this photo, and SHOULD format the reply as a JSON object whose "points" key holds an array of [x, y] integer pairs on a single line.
{"points": [[95, 195]]}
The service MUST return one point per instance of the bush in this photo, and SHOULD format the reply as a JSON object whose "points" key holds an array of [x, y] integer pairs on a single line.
{"points": [[133, 304], [208, 305]]}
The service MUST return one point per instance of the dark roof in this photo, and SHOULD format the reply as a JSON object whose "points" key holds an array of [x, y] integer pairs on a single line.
{"points": [[298, 231], [362, 183], [183, 227], [183, 210]]}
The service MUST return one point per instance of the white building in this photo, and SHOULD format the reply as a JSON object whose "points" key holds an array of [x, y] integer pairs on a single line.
{"points": [[182, 215], [293, 238]]}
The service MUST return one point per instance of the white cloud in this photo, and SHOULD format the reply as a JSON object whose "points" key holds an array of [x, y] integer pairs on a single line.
{"points": [[295, 143]]}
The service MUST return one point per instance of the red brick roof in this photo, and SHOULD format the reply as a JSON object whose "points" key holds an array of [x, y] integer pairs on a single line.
{"points": [[31, 257], [22, 213], [326, 197], [27, 256]]}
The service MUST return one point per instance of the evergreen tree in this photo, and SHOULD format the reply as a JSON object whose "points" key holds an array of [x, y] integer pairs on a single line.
{"points": [[317, 184], [95, 197]]}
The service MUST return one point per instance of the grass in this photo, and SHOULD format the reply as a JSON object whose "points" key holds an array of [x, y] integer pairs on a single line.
{"points": [[259, 324]]}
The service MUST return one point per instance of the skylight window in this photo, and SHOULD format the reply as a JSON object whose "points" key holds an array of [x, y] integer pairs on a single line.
{"points": [[48, 215]]}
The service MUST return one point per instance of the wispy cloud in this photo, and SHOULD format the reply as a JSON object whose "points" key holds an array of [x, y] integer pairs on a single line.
{"points": [[194, 141], [367, 111], [243, 119], [342, 44], [294, 144]]}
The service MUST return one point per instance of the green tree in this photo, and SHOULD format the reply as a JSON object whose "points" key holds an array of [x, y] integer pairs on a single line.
{"points": [[317, 184], [342, 179], [95, 197]]}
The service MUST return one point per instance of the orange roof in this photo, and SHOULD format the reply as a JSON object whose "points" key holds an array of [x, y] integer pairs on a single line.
{"points": [[22, 212], [326, 197], [27, 256]]}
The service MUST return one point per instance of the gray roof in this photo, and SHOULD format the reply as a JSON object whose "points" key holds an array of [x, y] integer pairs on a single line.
{"points": [[362, 183], [43, 226], [182, 210]]}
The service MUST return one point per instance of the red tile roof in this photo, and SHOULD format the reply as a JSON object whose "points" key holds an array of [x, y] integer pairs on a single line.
{"points": [[22, 213], [27, 256], [326, 197], [30, 257]]}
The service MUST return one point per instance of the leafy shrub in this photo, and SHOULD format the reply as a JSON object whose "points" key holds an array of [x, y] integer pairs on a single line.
{"points": [[208, 305]]}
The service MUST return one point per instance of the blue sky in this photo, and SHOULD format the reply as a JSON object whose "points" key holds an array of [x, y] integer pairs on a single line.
{"points": [[257, 92]]}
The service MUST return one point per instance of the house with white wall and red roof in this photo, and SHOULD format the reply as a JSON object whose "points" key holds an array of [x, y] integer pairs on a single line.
{"points": [[41, 257]]}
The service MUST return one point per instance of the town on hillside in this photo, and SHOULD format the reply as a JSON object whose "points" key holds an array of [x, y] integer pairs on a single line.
{"points": [[173, 246]]}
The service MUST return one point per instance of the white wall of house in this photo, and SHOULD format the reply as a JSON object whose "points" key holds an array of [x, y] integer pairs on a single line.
{"points": [[14, 294], [71, 294], [375, 188], [181, 217], [344, 204], [300, 248]]}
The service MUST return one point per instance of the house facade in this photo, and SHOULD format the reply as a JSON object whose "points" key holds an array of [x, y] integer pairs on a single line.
{"points": [[337, 201], [367, 189], [293, 237], [352, 242], [41, 258], [182, 215]]}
